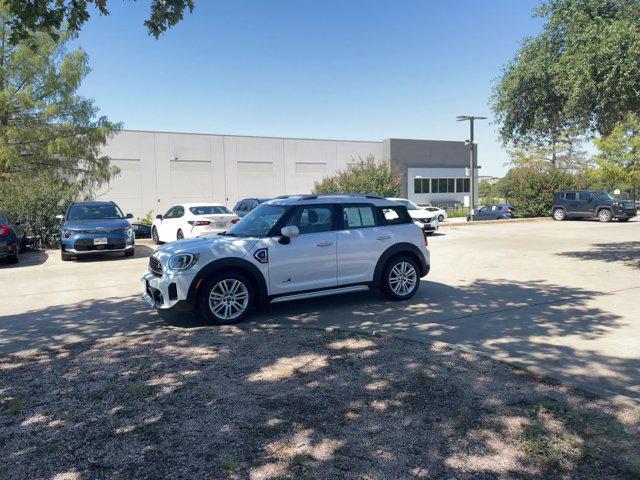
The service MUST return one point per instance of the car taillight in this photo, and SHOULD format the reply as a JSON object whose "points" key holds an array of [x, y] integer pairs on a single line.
{"points": [[424, 234], [617, 205], [233, 222], [4, 231], [199, 223]]}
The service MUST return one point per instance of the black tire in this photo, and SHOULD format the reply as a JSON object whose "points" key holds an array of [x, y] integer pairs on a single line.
{"points": [[155, 237], [130, 253], [441, 218], [15, 258], [179, 235], [23, 245], [624, 219], [65, 257], [559, 214], [207, 311], [605, 215], [386, 287]]}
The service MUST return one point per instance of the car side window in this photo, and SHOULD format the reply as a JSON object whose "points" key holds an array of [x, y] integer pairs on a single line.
{"points": [[585, 196], [252, 204], [495, 207], [484, 209], [237, 207], [169, 213], [394, 215], [178, 212], [313, 219], [570, 196], [358, 216]]}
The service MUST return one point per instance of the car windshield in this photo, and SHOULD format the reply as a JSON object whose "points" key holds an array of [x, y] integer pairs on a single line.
{"points": [[209, 210], [258, 222], [94, 212], [409, 204]]}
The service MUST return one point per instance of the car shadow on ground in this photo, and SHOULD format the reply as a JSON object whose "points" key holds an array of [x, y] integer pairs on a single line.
{"points": [[522, 322], [627, 253], [30, 258]]}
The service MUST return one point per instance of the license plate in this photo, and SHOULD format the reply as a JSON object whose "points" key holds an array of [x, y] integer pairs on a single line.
{"points": [[99, 241]]}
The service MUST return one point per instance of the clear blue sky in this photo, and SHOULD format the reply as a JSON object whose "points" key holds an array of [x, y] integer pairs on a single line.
{"points": [[330, 69]]}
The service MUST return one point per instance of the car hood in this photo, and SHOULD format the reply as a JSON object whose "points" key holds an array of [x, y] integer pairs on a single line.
{"points": [[109, 224], [422, 214], [218, 246]]}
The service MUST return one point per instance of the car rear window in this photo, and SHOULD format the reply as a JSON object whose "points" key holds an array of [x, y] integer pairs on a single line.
{"points": [[209, 210]]}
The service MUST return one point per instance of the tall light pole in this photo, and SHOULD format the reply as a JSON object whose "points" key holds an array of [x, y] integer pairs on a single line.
{"points": [[472, 163]]}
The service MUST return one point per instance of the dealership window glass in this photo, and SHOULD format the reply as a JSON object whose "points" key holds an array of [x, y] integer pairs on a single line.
{"points": [[462, 185], [451, 185], [358, 217], [417, 185], [209, 210], [312, 219], [442, 185]]}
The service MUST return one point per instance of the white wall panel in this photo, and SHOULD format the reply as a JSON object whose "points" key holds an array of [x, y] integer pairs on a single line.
{"points": [[191, 181]]}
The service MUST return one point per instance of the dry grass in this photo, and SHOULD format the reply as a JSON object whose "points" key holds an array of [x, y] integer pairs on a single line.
{"points": [[298, 404]]}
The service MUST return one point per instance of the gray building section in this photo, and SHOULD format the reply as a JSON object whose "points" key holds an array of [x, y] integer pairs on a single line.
{"points": [[159, 169]]}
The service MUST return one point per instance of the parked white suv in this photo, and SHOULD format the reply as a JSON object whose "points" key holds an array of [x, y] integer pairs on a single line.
{"points": [[428, 219], [192, 220], [291, 248]]}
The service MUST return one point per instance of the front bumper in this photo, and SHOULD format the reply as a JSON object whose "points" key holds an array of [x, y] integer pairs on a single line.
{"points": [[625, 212], [168, 292], [84, 243]]}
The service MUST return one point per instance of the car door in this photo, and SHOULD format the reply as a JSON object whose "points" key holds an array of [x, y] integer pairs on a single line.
{"points": [[361, 242], [572, 204], [162, 226], [587, 203], [483, 213], [170, 223], [307, 262]]}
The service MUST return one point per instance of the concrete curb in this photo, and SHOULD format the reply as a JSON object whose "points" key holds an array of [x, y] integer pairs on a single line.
{"points": [[493, 222]]}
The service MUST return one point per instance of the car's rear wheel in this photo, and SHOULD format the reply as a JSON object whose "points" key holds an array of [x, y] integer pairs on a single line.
{"points": [[558, 214], [441, 218], [65, 257], [227, 298], [180, 235], [130, 253], [155, 237], [400, 279], [604, 215]]}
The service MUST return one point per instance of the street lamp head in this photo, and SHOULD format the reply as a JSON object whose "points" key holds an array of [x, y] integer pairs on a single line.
{"points": [[464, 118]]}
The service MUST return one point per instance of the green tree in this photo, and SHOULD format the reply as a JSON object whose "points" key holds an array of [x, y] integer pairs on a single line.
{"points": [[44, 124], [579, 74], [619, 155], [565, 151], [50, 15], [366, 176]]}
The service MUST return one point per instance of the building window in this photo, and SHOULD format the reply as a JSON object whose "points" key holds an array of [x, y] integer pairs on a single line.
{"points": [[421, 185], [462, 185]]}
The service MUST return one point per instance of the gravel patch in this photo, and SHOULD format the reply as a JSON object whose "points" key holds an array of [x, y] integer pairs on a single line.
{"points": [[298, 404]]}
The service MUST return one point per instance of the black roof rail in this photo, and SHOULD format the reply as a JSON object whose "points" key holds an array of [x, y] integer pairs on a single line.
{"points": [[309, 197]]}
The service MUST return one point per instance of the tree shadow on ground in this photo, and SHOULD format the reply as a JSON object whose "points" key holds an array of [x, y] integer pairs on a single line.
{"points": [[626, 253], [286, 403]]}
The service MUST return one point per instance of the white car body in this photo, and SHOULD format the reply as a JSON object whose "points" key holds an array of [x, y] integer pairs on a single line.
{"points": [[426, 218], [441, 214], [192, 220], [341, 244]]}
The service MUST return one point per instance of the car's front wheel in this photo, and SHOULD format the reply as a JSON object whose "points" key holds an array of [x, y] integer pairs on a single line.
{"points": [[558, 214], [604, 215], [155, 237], [65, 257], [180, 235], [441, 218], [400, 279], [130, 253], [227, 298]]}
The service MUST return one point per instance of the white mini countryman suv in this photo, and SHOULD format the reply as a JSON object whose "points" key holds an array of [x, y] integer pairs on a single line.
{"points": [[291, 248]]}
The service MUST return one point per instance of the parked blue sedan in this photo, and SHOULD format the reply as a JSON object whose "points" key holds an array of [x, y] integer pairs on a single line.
{"points": [[95, 227], [500, 211]]}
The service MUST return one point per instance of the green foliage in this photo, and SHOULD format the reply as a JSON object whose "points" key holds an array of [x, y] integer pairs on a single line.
{"points": [[619, 155], [38, 200], [44, 124], [49, 16], [148, 218], [579, 74], [367, 176], [531, 188]]}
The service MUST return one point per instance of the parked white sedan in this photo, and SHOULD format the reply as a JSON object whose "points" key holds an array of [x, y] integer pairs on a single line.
{"points": [[192, 220], [442, 214], [429, 220]]}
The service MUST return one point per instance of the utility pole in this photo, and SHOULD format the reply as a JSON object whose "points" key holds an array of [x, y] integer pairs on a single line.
{"points": [[472, 163]]}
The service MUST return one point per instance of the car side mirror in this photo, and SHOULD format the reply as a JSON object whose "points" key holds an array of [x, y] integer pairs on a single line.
{"points": [[288, 233], [60, 217], [129, 215], [159, 217]]}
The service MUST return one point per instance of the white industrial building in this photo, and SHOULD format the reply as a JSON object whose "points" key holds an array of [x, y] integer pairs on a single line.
{"points": [[159, 169]]}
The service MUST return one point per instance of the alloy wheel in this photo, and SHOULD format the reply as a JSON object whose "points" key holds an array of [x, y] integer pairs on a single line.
{"points": [[403, 278], [228, 299]]}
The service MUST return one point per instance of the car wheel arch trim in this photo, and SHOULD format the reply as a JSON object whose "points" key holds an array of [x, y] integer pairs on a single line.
{"points": [[237, 264], [399, 249]]}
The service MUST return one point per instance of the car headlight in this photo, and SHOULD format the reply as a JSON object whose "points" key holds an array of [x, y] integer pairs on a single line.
{"points": [[183, 261], [129, 232], [67, 233]]}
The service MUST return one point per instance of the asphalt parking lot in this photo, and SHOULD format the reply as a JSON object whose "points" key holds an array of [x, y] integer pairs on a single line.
{"points": [[562, 299]]}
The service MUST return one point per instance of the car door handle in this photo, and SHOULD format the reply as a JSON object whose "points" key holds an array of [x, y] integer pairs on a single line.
{"points": [[384, 237], [325, 244]]}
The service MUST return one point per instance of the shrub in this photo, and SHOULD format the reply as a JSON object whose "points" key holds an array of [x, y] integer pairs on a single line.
{"points": [[37, 200], [531, 188], [366, 176]]}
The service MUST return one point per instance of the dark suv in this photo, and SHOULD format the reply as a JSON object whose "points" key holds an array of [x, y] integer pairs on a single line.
{"points": [[246, 205], [591, 204]]}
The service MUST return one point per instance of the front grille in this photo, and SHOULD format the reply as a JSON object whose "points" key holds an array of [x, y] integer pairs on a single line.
{"points": [[155, 266], [86, 245], [94, 232]]}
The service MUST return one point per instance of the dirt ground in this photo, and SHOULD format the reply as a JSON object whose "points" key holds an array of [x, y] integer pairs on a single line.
{"points": [[297, 404]]}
